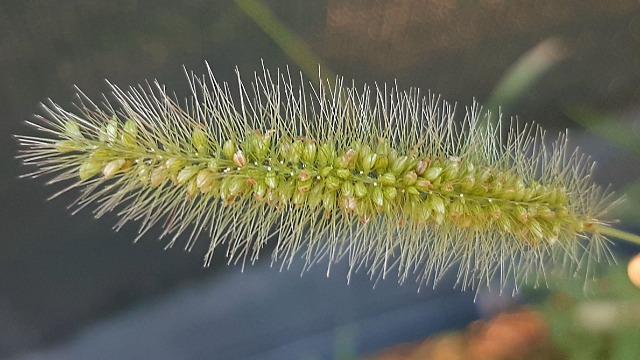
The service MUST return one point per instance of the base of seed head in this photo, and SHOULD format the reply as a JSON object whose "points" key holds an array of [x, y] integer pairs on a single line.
{"points": [[386, 179]]}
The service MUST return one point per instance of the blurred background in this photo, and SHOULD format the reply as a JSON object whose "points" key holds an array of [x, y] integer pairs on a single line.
{"points": [[71, 287]]}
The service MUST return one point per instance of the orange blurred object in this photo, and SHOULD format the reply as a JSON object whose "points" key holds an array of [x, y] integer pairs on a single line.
{"points": [[633, 270], [521, 334]]}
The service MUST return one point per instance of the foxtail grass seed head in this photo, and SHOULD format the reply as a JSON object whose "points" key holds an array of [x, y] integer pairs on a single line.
{"points": [[384, 178]]}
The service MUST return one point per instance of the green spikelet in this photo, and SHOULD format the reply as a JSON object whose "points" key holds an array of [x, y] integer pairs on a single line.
{"points": [[386, 178]]}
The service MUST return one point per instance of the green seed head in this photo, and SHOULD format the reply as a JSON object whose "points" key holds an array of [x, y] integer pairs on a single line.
{"points": [[89, 168], [112, 167], [200, 141], [229, 149], [72, 129], [335, 175]]}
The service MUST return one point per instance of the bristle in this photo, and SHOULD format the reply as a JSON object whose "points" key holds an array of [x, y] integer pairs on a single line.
{"points": [[387, 179]]}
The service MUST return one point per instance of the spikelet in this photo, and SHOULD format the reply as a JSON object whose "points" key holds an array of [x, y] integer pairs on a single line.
{"points": [[385, 178]]}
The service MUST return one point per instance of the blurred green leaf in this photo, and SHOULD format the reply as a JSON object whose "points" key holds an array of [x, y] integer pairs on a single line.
{"points": [[608, 127], [628, 210], [603, 323], [524, 73], [290, 43]]}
